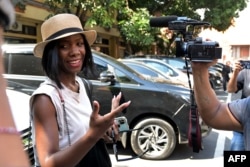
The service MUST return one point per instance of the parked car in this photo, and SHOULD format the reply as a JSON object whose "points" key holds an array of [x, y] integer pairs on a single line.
{"points": [[215, 77], [176, 62], [19, 103], [18, 97], [159, 112], [151, 73], [167, 69], [180, 63], [218, 67]]}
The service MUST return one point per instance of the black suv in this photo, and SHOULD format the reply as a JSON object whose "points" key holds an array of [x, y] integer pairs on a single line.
{"points": [[159, 111]]}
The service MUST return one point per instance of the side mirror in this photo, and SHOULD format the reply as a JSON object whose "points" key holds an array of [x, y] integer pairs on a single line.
{"points": [[186, 67], [170, 73], [107, 76]]}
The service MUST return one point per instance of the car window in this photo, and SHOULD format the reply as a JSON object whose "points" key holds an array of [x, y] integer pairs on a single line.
{"points": [[143, 70], [162, 68], [101, 66], [177, 64], [22, 64], [121, 77]]}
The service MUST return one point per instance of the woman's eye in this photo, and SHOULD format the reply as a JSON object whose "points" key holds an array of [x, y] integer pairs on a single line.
{"points": [[80, 44], [63, 46]]}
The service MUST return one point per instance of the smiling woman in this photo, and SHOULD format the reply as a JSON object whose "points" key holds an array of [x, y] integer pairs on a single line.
{"points": [[68, 131], [73, 46]]}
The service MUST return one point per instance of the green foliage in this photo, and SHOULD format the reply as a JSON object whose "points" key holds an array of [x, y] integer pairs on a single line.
{"points": [[103, 12], [223, 20], [136, 30], [132, 16], [219, 13], [21, 4]]}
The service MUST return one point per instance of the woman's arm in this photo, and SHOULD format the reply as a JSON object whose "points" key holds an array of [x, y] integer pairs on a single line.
{"points": [[232, 83], [215, 113], [11, 148]]}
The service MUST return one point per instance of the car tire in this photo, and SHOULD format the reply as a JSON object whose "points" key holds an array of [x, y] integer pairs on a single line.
{"points": [[155, 135]]}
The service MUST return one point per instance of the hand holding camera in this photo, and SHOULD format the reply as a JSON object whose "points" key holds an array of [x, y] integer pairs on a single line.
{"points": [[245, 64]]}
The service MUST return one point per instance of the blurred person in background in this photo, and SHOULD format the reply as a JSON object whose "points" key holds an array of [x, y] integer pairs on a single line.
{"points": [[226, 70], [240, 80]]}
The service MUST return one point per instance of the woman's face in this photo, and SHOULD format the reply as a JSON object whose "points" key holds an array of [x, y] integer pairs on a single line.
{"points": [[71, 52]]}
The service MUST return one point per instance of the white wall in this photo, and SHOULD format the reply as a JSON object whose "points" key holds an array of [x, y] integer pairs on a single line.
{"points": [[239, 34]]}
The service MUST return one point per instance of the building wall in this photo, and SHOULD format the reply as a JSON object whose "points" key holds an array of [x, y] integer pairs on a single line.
{"points": [[234, 38], [28, 26], [240, 51], [29, 22]]}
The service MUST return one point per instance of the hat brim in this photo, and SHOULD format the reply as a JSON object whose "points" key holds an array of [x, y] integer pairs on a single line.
{"points": [[90, 37]]}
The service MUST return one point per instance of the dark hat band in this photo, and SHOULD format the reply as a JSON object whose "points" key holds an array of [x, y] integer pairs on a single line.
{"points": [[62, 32]]}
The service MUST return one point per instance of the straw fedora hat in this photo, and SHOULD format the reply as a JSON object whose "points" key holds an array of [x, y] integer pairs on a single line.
{"points": [[60, 26]]}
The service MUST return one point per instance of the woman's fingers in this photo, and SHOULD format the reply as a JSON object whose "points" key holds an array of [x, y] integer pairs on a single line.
{"points": [[116, 108], [106, 122], [120, 108], [96, 108], [108, 136], [116, 101]]}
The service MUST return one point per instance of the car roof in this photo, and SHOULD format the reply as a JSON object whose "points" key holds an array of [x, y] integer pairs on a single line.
{"points": [[18, 48], [19, 103], [148, 56], [151, 59], [112, 60], [160, 62], [144, 65]]}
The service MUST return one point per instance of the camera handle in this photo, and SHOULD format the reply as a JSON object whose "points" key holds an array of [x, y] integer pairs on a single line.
{"points": [[194, 131]]}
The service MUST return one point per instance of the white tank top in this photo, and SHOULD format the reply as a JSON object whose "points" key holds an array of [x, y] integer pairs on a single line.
{"points": [[78, 111]]}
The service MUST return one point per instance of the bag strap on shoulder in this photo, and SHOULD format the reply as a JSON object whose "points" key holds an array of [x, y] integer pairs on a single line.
{"points": [[89, 88]]}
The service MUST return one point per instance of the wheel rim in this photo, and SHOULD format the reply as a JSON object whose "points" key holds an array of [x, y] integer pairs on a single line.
{"points": [[152, 138]]}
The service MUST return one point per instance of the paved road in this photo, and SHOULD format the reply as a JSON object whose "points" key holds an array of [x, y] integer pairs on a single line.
{"points": [[211, 155], [214, 145]]}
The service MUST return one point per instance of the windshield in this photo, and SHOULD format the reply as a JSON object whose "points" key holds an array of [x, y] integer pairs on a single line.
{"points": [[151, 74], [115, 62]]}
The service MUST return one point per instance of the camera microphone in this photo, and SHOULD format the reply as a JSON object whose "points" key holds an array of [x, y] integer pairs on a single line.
{"points": [[163, 21]]}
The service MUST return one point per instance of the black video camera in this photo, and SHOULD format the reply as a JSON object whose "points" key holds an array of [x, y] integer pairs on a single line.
{"points": [[245, 64], [186, 45]]}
